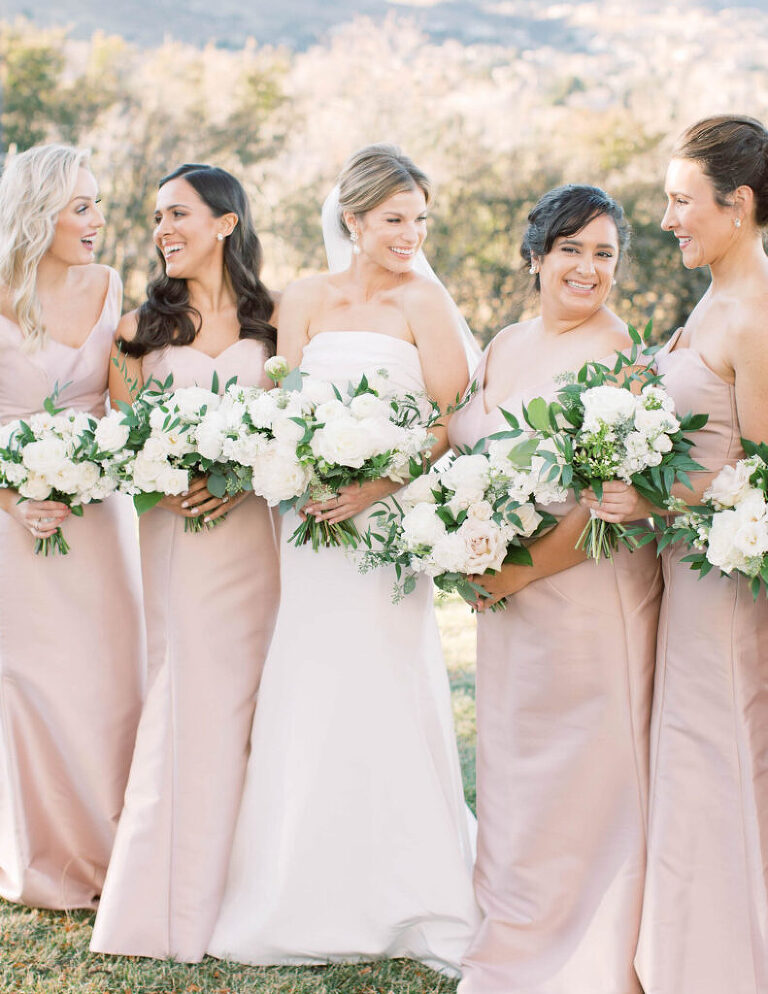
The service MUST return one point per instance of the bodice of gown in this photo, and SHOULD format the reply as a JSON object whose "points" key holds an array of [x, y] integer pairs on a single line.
{"points": [[695, 387], [341, 356], [191, 367], [27, 378]]}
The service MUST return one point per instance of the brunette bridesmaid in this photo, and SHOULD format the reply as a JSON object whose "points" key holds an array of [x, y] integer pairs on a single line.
{"points": [[210, 597], [71, 627], [705, 916], [564, 672]]}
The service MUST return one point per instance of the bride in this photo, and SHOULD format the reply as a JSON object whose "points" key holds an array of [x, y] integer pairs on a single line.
{"points": [[352, 840]]}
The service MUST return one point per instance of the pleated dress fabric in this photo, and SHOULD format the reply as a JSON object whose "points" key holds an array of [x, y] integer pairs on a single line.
{"points": [[564, 678], [705, 917], [353, 837], [71, 652], [211, 600]]}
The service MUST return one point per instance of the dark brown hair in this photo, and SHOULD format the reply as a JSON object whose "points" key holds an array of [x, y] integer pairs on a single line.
{"points": [[166, 317], [562, 212], [733, 152]]}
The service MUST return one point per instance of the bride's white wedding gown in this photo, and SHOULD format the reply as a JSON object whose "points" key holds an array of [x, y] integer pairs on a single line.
{"points": [[352, 840]]}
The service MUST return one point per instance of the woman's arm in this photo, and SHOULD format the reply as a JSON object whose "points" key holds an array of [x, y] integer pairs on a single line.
{"points": [[297, 304], [552, 553]]}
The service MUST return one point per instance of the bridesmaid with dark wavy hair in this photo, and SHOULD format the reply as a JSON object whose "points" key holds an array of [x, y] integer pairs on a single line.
{"points": [[210, 597], [705, 913]]}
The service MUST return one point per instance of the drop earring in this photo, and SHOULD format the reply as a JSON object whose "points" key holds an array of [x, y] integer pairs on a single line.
{"points": [[355, 247], [737, 222]]}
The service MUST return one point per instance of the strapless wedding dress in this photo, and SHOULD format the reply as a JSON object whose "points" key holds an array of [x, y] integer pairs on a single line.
{"points": [[352, 841]]}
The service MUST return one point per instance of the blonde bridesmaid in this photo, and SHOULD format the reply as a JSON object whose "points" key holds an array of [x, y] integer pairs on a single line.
{"points": [[71, 628], [705, 917], [211, 597], [564, 672]]}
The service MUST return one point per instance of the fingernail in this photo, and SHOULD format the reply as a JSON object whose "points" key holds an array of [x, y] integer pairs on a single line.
{"points": [[185, 493], [185, 504], [224, 500], [206, 520]]}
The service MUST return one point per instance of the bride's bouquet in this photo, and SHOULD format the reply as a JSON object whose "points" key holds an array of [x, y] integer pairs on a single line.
{"points": [[176, 435], [469, 518], [60, 455], [730, 530], [325, 438], [601, 429]]}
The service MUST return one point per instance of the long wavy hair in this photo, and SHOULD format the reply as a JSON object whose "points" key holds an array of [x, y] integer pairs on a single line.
{"points": [[166, 317], [35, 187]]}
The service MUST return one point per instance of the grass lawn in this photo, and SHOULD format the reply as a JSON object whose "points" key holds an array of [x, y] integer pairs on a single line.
{"points": [[45, 952]]}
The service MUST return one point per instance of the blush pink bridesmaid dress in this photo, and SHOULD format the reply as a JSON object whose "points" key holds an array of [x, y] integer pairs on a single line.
{"points": [[705, 916], [71, 652], [211, 600], [564, 678]]}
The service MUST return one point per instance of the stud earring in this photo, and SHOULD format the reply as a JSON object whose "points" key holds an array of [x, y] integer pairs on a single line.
{"points": [[355, 247], [533, 270], [219, 237], [737, 222]]}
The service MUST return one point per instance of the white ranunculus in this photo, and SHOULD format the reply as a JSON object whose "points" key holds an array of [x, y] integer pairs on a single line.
{"points": [[35, 487], [111, 434], [366, 405], [277, 367], [729, 486], [468, 475], [485, 544], [45, 456], [421, 527], [607, 405], [662, 443]]}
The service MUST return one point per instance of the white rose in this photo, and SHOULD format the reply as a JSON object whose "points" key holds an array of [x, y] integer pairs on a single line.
{"points": [[331, 410], [366, 405], [662, 443], [13, 472], [730, 485], [278, 475], [485, 544], [530, 519], [190, 401], [722, 551], [287, 430], [210, 435], [146, 470], [343, 442], [157, 418], [262, 410], [419, 491], [751, 538], [751, 506], [468, 475], [111, 435], [421, 527], [481, 511], [607, 405], [172, 481], [35, 487], [44, 456]]}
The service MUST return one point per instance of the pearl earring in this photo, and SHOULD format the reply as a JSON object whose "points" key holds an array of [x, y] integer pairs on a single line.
{"points": [[737, 222], [220, 237], [355, 247], [533, 270]]}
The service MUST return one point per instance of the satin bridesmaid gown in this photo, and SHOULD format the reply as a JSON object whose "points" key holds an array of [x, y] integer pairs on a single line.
{"points": [[564, 678], [211, 600], [352, 841], [705, 916], [71, 652]]}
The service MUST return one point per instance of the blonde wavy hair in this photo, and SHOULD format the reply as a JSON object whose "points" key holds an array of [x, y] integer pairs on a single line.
{"points": [[374, 174], [35, 187]]}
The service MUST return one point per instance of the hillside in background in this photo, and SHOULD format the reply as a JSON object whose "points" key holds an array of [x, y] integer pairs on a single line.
{"points": [[585, 94]]}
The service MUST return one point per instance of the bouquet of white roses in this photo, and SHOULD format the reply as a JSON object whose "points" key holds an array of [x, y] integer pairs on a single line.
{"points": [[469, 518], [59, 455], [324, 438], [730, 530], [603, 430]]}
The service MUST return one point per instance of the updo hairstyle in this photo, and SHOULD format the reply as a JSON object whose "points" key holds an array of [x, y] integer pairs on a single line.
{"points": [[733, 152], [562, 212]]}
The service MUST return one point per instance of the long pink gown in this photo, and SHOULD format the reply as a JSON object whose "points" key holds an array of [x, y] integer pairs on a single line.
{"points": [[211, 600], [71, 652], [564, 678], [705, 916]]}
